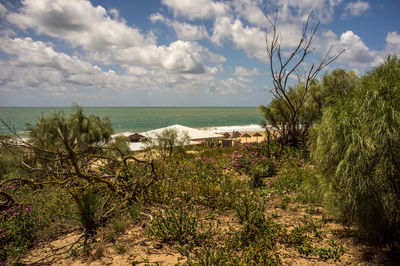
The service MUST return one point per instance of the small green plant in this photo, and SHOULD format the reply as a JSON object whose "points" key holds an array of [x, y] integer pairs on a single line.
{"points": [[179, 223], [249, 209], [134, 211], [285, 202], [18, 227], [274, 215], [334, 251], [120, 248]]}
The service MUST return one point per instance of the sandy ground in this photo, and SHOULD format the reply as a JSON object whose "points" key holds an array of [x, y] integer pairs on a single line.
{"points": [[134, 247]]}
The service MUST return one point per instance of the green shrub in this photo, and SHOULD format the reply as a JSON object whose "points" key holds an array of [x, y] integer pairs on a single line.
{"points": [[18, 227], [356, 149], [179, 223]]}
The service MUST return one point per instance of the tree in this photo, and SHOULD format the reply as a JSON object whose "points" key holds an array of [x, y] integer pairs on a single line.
{"points": [[74, 154], [284, 68], [82, 130], [356, 150], [167, 143], [334, 86]]}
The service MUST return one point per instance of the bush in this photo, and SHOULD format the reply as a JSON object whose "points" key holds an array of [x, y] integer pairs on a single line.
{"points": [[253, 160], [356, 148], [18, 226], [179, 223]]}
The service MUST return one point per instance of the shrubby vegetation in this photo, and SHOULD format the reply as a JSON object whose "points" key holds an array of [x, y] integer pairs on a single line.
{"points": [[216, 206], [356, 148]]}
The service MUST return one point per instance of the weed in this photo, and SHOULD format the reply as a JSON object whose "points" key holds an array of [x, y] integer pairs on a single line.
{"points": [[179, 224], [274, 215], [134, 211], [285, 202], [120, 248]]}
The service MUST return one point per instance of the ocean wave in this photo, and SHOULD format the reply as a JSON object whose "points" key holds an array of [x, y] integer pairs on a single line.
{"points": [[243, 128]]}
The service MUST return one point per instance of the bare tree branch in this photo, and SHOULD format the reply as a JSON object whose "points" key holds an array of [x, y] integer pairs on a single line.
{"points": [[290, 65]]}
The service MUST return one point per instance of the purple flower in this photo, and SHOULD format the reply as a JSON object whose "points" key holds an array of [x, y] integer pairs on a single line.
{"points": [[36, 219], [264, 158], [9, 210], [198, 158], [27, 209], [215, 163], [15, 213], [3, 229], [8, 186]]}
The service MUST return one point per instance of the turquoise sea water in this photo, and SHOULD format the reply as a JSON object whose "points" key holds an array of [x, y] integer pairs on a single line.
{"points": [[140, 118]]}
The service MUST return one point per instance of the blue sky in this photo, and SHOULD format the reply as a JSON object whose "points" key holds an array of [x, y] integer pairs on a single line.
{"points": [[174, 52]]}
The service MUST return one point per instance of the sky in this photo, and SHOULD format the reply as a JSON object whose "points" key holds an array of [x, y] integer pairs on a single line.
{"points": [[176, 52]]}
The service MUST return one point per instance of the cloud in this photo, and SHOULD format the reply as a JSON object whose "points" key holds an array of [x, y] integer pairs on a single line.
{"points": [[36, 64], [356, 8], [232, 86], [111, 40], [392, 43], [245, 72], [184, 31], [358, 54], [297, 11], [200, 9], [249, 39], [3, 10], [251, 10], [78, 22]]}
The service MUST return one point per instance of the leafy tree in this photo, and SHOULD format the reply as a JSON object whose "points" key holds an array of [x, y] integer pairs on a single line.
{"points": [[74, 154], [167, 143], [83, 130], [356, 148], [333, 87]]}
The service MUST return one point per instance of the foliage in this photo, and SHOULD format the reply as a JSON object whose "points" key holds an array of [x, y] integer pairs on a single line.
{"points": [[356, 149], [334, 85], [167, 143], [284, 65], [18, 226], [72, 154], [82, 130], [204, 179], [8, 160], [252, 160], [179, 223]]}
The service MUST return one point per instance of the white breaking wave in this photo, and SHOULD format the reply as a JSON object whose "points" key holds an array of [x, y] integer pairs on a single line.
{"points": [[219, 129], [230, 129]]}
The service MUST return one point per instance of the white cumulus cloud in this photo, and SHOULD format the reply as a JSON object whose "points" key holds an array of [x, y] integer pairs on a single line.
{"points": [[199, 9], [109, 39], [393, 43], [357, 8], [183, 30], [244, 72], [358, 54]]}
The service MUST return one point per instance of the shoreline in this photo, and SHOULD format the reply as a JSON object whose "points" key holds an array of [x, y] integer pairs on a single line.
{"points": [[211, 129]]}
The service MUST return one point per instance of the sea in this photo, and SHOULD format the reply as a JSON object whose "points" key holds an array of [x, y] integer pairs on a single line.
{"points": [[139, 119]]}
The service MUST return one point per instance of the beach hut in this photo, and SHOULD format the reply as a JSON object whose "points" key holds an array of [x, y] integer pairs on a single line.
{"points": [[135, 137], [236, 134], [245, 135], [257, 135], [226, 135]]}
